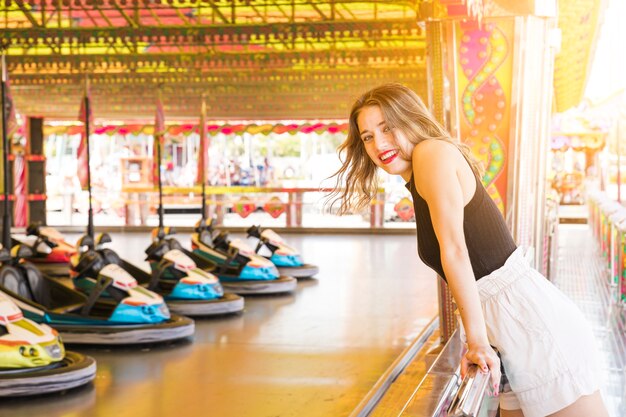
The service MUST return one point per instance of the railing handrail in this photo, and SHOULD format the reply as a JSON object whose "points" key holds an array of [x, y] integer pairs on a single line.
{"points": [[442, 393], [470, 394], [230, 189]]}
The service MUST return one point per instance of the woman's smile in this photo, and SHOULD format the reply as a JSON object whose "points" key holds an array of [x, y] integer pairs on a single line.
{"points": [[388, 156]]}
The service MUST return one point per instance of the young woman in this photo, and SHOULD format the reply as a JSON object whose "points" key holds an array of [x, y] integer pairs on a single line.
{"points": [[546, 345]]}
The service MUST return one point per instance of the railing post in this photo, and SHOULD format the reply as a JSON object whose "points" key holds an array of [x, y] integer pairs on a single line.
{"points": [[143, 203], [130, 212], [219, 208], [447, 319], [377, 210], [294, 209], [434, 39]]}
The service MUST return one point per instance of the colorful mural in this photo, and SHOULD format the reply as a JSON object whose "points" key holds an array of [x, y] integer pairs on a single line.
{"points": [[485, 74]]}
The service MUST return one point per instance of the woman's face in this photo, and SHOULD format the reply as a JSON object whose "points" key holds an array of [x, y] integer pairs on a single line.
{"points": [[382, 144]]}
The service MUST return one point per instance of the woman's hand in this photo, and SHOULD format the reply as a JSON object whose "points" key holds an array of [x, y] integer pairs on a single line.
{"points": [[486, 359]]}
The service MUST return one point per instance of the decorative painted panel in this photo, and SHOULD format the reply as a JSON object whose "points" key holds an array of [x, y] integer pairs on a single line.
{"points": [[485, 82]]}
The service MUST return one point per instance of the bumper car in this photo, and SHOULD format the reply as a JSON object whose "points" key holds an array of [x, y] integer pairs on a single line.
{"points": [[33, 360], [51, 253], [128, 316], [239, 269], [271, 245], [186, 288]]}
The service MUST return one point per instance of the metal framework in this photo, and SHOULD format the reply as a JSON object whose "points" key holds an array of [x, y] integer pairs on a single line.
{"points": [[287, 78], [265, 94], [217, 48], [136, 13], [173, 62], [289, 34]]}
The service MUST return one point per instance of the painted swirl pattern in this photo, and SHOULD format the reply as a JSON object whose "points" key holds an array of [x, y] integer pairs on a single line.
{"points": [[482, 52]]}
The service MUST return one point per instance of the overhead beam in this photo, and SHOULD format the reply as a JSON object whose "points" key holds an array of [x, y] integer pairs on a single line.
{"points": [[180, 62], [217, 11], [326, 86], [314, 94], [28, 15], [242, 106], [132, 23], [244, 77], [222, 34]]}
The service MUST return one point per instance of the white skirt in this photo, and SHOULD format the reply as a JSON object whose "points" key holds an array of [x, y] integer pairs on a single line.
{"points": [[547, 346]]}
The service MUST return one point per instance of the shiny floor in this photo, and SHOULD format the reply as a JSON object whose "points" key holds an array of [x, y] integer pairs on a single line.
{"points": [[316, 352]]}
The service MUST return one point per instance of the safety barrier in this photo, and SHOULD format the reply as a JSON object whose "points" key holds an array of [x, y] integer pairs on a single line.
{"points": [[443, 393], [608, 224], [371, 400], [469, 398], [241, 199], [550, 237], [437, 392]]}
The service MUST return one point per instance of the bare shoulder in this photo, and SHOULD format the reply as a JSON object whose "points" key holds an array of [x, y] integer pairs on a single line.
{"points": [[435, 154], [440, 169]]}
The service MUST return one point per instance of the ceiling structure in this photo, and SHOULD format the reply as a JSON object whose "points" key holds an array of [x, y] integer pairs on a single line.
{"points": [[248, 59], [579, 21]]}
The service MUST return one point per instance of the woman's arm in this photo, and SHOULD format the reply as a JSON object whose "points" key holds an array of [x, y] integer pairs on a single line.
{"points": [[436, 167]]}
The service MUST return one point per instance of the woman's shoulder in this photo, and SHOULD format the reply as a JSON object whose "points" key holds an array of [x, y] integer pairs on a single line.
{"points": [[435, 167], [435, 151]]}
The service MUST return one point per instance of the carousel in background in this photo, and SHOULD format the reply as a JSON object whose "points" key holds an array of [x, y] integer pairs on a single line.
{"points": [[576, 146], [588, 152]]}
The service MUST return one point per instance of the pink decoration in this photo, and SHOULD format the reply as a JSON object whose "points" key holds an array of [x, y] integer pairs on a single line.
{"points": [[20, 210], [244, 207], [404, 209]]}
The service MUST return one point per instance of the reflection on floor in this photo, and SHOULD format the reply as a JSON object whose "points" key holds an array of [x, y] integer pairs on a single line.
{"points": [[315, 352], [583, 277]]}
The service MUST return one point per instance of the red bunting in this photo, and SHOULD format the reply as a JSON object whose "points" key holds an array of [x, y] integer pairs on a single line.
{"points": [[213, 129]]}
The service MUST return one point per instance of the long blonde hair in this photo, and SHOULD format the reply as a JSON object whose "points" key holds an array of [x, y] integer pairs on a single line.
{"points": [[402, 109]]}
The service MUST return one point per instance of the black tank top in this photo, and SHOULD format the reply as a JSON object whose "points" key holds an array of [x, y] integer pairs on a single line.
{"points": [[489, 241]]}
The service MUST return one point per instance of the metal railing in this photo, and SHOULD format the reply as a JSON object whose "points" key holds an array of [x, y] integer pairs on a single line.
{"points": [[442, 393], [470, 395], [367, 405], [438, 393]]}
